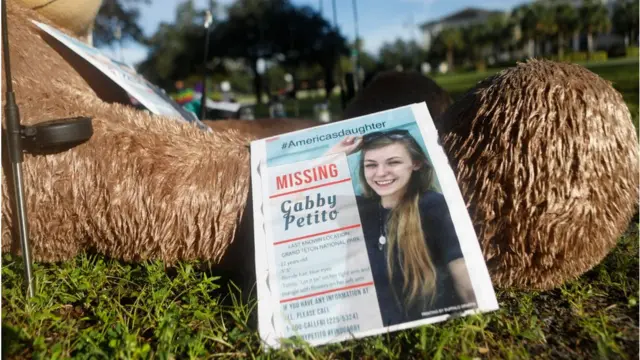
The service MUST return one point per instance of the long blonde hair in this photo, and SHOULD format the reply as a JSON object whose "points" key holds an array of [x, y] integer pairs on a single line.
{"points": [[405, 232]]}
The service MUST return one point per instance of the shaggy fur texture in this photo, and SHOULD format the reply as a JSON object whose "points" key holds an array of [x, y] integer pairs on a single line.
{"points": [[144, 187], [391, 89], [546, 157]]}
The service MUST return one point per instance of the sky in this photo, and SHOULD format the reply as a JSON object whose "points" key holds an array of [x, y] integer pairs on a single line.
{"points": [[379, 21]]}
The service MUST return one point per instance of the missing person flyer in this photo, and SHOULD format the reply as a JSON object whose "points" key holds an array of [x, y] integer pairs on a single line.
{"points": [[361, 229]]}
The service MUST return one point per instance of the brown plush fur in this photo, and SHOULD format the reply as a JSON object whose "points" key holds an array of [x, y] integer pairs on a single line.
{"points": [[262, 128], [391, 89], [546, 157], [143, 187]]}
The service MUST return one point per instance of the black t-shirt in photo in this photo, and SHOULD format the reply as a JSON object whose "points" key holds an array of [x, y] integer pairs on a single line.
{"points": [[443, 246]]}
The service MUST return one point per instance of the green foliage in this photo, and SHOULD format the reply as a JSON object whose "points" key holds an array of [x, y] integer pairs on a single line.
{"points": [[568, 22], [94, 307], [632, 51], [599, 56], [451, 38], [500, 31], [579, 56], [175, 49], [447, 42], [567, 18], [476, 37], [594, 16], [625, 18], [527, 19], [118, 15], [272, 29], [546, 23], [407, 54]]}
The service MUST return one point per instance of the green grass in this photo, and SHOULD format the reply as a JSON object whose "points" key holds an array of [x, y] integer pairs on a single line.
{"points": [[94, 307], [99, 308]]}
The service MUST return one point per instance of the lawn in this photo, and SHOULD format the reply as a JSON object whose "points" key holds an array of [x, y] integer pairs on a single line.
{"points": [[95, 307]]}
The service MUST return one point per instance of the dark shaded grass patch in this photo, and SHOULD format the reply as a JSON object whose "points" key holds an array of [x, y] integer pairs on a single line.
{"points": [[93, 307]]}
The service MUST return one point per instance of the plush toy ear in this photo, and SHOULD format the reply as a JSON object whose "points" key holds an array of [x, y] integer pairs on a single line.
{"points": [[546, 155], [75, 16], [391, 89]]}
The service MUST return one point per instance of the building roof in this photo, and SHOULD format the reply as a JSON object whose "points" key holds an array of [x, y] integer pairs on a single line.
{"points": [[466, 13]]}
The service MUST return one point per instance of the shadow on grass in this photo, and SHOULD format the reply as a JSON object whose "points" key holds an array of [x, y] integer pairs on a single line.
{"points": [[15, 343], [97, 307]]}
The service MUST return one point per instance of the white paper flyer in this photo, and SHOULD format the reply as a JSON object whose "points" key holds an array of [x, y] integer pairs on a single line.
{"points": [[360, 229], [147, 94]]}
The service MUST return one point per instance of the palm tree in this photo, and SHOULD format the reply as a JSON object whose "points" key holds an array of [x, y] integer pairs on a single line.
{"points": [[546, 25], [527, 19], [568, 23], [625, 19], [452, 40], [595, 19], [498, 33], [475, 39]]}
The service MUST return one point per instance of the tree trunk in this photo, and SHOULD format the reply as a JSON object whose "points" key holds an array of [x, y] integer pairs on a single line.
{"points": [[329, 83], [589, 45], [257, 81], [295, 82], [532, 48], [450, 59], [560, 46], [547, 47], [576, 41]]}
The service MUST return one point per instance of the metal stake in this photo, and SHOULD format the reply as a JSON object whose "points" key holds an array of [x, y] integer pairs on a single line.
{"points": [[203, 101], [14, 138]]}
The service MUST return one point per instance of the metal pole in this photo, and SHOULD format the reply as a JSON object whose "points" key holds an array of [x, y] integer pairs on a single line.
{"points": [[14, 138], [118, 35], [203, 99], [357, 46], [21, 210], [340, 75]]}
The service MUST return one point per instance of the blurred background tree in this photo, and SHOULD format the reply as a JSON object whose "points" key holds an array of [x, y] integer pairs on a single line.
{"points": [[174, 50], [595, 20], [277, 47], [625, 20], [117, 20]]}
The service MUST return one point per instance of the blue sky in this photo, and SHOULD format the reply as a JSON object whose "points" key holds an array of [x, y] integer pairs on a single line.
{"points": [[379, 21]]}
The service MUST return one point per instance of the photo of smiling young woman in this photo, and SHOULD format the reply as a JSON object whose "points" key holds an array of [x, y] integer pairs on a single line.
{"points": [[416, 260]]}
